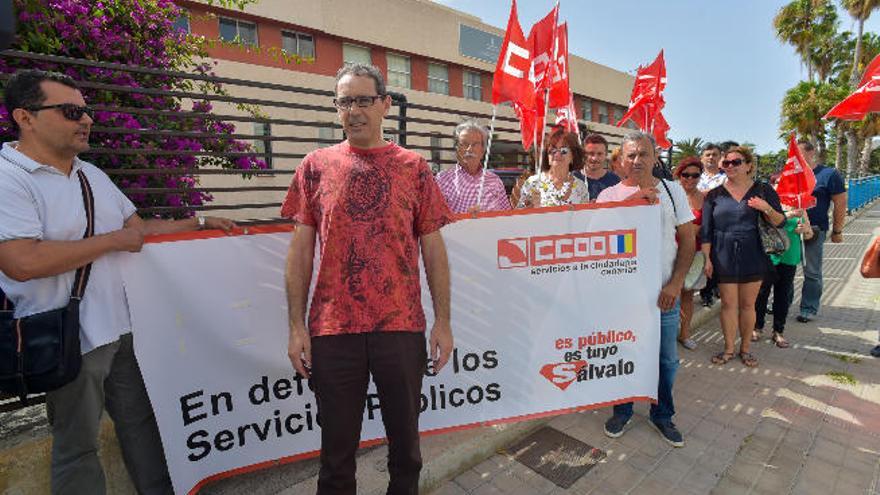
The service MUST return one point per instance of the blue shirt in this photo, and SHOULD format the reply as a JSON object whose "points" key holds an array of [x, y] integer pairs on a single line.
{"points": [[595, 186], [828, 183]]}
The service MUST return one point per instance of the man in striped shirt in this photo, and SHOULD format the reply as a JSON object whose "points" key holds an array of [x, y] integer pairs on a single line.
{"points": [[460, 185]]}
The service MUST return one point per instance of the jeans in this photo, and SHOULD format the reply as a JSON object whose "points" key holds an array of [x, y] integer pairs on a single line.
{"points": [[781, 282], [664, 409], [341, 367], [812, 290], [110, 378]]}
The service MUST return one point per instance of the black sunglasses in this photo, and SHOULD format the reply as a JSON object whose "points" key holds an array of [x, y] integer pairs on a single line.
{"points": [[732, 163], [695, 175], [70, 111]]}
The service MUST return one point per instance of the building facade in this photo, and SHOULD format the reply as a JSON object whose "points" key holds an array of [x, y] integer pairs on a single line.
{"points": [[438, 57]]}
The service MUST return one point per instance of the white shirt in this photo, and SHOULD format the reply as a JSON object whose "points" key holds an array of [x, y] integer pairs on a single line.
{"points": [[40, 202], [669, 220], [708, 182]]}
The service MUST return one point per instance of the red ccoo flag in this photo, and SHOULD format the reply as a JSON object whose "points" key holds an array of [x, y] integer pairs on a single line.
{"points": [[567, 116], [797, 182], [646, 99], [541, 41], [864, 100], [560, 91], [511, 81]]}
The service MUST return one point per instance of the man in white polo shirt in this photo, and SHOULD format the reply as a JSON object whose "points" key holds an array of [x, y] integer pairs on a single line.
{"points": [[41, 246]]}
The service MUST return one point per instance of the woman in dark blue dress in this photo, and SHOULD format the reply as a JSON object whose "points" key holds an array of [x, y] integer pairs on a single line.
{"points": [[733, 249]]}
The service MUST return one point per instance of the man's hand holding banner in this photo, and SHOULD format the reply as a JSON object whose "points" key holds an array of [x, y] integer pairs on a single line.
{"points": [[552, 310]]}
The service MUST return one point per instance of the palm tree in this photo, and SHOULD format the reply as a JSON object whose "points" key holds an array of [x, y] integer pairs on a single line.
{"points": [[860, 10], [803, 107], [686, 147], [804, 23]]}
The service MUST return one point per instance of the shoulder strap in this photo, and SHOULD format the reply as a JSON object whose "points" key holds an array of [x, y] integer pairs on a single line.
{"points": [[671, 199], [81, 280]]}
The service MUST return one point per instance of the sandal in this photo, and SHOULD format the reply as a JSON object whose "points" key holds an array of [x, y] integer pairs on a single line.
{"points": [[688, 344], [748, 359], [722, 357], [756, 334], [780, 341]]}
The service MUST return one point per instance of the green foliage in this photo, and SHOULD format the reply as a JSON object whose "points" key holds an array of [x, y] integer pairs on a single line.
{"points": [[686, 147]]}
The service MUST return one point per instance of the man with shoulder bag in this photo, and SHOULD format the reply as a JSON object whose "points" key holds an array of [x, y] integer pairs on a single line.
{"points": [[64, 225]]}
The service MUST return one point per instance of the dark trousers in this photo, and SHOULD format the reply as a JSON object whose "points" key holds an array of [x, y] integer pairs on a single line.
{"points": [[781, 281], [341, 367], [711, 288]]}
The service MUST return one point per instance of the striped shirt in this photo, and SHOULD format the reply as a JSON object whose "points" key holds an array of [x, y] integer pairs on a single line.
{"points": [[461, 190]]}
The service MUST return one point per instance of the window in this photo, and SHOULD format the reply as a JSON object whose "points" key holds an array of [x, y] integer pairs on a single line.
{"points": [[438, 78], [239, 31], [587, 109], [473, 85], [327, 133], [182, 22], [263, 146], [353, 54], [603, 113], [618, 114], [298, 44], [436, 152], [398, 71]]}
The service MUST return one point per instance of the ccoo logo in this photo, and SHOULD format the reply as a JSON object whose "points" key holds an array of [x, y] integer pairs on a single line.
{"points": [[513, 253], [562, 374]]}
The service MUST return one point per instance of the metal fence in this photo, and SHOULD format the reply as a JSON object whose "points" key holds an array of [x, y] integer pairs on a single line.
{"points": [[860, 192]]}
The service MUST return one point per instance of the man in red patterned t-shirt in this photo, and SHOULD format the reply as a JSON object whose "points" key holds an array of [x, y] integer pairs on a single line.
{"points": [[374, 205]]}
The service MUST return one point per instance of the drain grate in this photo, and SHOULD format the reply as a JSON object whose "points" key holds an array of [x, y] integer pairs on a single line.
{"points": [[555, 456]]}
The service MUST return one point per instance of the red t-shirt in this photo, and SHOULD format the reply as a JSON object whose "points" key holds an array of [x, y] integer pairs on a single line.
{"points": [[369, 208]]}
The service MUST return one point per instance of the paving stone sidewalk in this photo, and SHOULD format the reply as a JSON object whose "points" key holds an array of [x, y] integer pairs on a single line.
{"points": [[805, 421]]}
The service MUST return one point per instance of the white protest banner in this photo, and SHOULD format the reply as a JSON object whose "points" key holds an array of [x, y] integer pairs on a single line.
{"points": [[553, 310]]}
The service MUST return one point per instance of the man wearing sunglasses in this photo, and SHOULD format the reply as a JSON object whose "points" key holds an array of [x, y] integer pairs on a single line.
{"points": [[375, 206], [41, 246]]}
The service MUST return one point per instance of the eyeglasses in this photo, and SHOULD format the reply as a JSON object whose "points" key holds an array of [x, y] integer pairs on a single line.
{"points": [[346, 102], [70, 111], [732, 163], [561, 151], [694, 175]]}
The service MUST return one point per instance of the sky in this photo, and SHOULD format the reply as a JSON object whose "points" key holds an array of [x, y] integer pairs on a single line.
{"points": [[726, 71]]}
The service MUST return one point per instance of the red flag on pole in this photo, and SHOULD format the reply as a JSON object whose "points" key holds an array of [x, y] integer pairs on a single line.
{"points": [[646, 98], [511, 81], [864, 100], [797, 182], [661, 127], [567, 116], [541, 41], [560, 91]]}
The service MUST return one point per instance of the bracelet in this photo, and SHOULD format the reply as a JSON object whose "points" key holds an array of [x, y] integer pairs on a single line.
{"points": [[836, 232]]}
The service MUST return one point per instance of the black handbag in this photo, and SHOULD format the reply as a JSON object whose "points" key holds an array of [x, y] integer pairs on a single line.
{"points": [[774, 239], [41, 352]]}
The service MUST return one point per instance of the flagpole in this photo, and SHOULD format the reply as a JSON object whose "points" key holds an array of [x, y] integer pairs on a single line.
{"points": [[486, 158], [547, 91]]}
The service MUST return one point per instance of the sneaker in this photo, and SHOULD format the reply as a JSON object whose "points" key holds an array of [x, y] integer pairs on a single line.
{"points": [[874, 352], [804, 318], [668, 431], [615, 426]]}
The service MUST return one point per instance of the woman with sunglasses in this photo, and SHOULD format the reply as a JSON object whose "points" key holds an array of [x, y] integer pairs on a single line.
{"points": [[688, 174], [555, 185], [733, 249]]}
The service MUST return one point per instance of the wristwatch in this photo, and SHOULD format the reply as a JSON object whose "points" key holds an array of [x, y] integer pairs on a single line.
{"points": [[201, 222]]}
